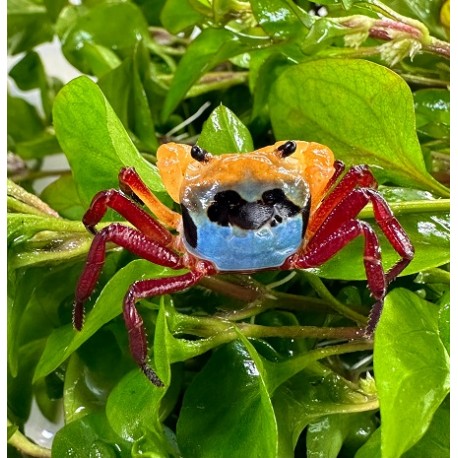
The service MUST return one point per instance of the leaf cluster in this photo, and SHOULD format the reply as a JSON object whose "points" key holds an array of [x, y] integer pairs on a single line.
{"points": [[268, 365]]}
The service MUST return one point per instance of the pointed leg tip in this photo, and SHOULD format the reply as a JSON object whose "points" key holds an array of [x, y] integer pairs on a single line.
{"points": [[152, 376], [78, 315]]}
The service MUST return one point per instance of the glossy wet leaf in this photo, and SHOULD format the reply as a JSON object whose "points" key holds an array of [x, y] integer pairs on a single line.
{"points": [[308, 396], [276, 17], [94, 140], [93, 35], [432, 110], [65, 340], [223, 132], [20, 288], [229, 398], [91, 374], [411, 368], [362, 111], [19, 387], [327, 436], [89, 436], [435, 442], [135, 410]]}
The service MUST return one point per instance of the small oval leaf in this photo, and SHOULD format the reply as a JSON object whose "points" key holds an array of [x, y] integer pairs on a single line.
{"points": [[95, 141], [223, 132], [362, 111]]}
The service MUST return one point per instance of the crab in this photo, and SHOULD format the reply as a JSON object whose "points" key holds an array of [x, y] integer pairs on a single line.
{"points": [[285, 206]]}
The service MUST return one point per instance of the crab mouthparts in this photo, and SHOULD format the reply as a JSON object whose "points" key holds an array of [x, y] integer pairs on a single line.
{"points": [[229, 208]]}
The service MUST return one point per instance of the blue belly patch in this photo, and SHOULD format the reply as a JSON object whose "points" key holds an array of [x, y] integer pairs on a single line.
{"points": [[233, 249]]}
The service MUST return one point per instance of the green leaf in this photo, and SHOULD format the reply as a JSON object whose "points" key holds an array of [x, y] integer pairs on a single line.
{"points": [[326, 436], [179, 15], [362, 111], [135, 409], [223, 132], [428, 230], [277, 17], [432, 110], [54, 7], [91, 374], [28, 25], [39, 240], [435, 443], [229, 398], [444, 320], [29, 74], [410, 364], [310, 395], [43, 145], [62, 196], [23, 120], [371, 449], [94, 140], [19, 384], [94, 39], [126, 90], [65, 340], [210, 48], [89, 436], [265, 67]]}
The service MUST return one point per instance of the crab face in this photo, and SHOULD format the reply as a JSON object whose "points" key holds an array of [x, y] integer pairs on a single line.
{"points": [[245, 212]]}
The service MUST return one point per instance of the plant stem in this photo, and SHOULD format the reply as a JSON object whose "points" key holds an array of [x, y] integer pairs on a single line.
{"points": [[301, 332], [225, 330], [259, 299], [25, 446], [287, 369], [424, 81], [17, 192], [412, 206], [324, 293]]}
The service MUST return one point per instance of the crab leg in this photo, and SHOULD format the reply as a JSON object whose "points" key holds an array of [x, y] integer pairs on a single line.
{"points": [[125, 207], [340, 227], [131, 183], [357, 176], [143, 289], [339, 168], [128, 238]]}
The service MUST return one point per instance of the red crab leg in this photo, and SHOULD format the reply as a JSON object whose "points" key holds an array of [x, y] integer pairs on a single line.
{"points": [[357, 176], [131, 183], [125, 237], [339, 167], [113, 198], [143, 289], [340, 227]]}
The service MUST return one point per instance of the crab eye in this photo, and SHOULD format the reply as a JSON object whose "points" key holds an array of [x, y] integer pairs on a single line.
{"points": [[287, 148], [199, 154]]}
